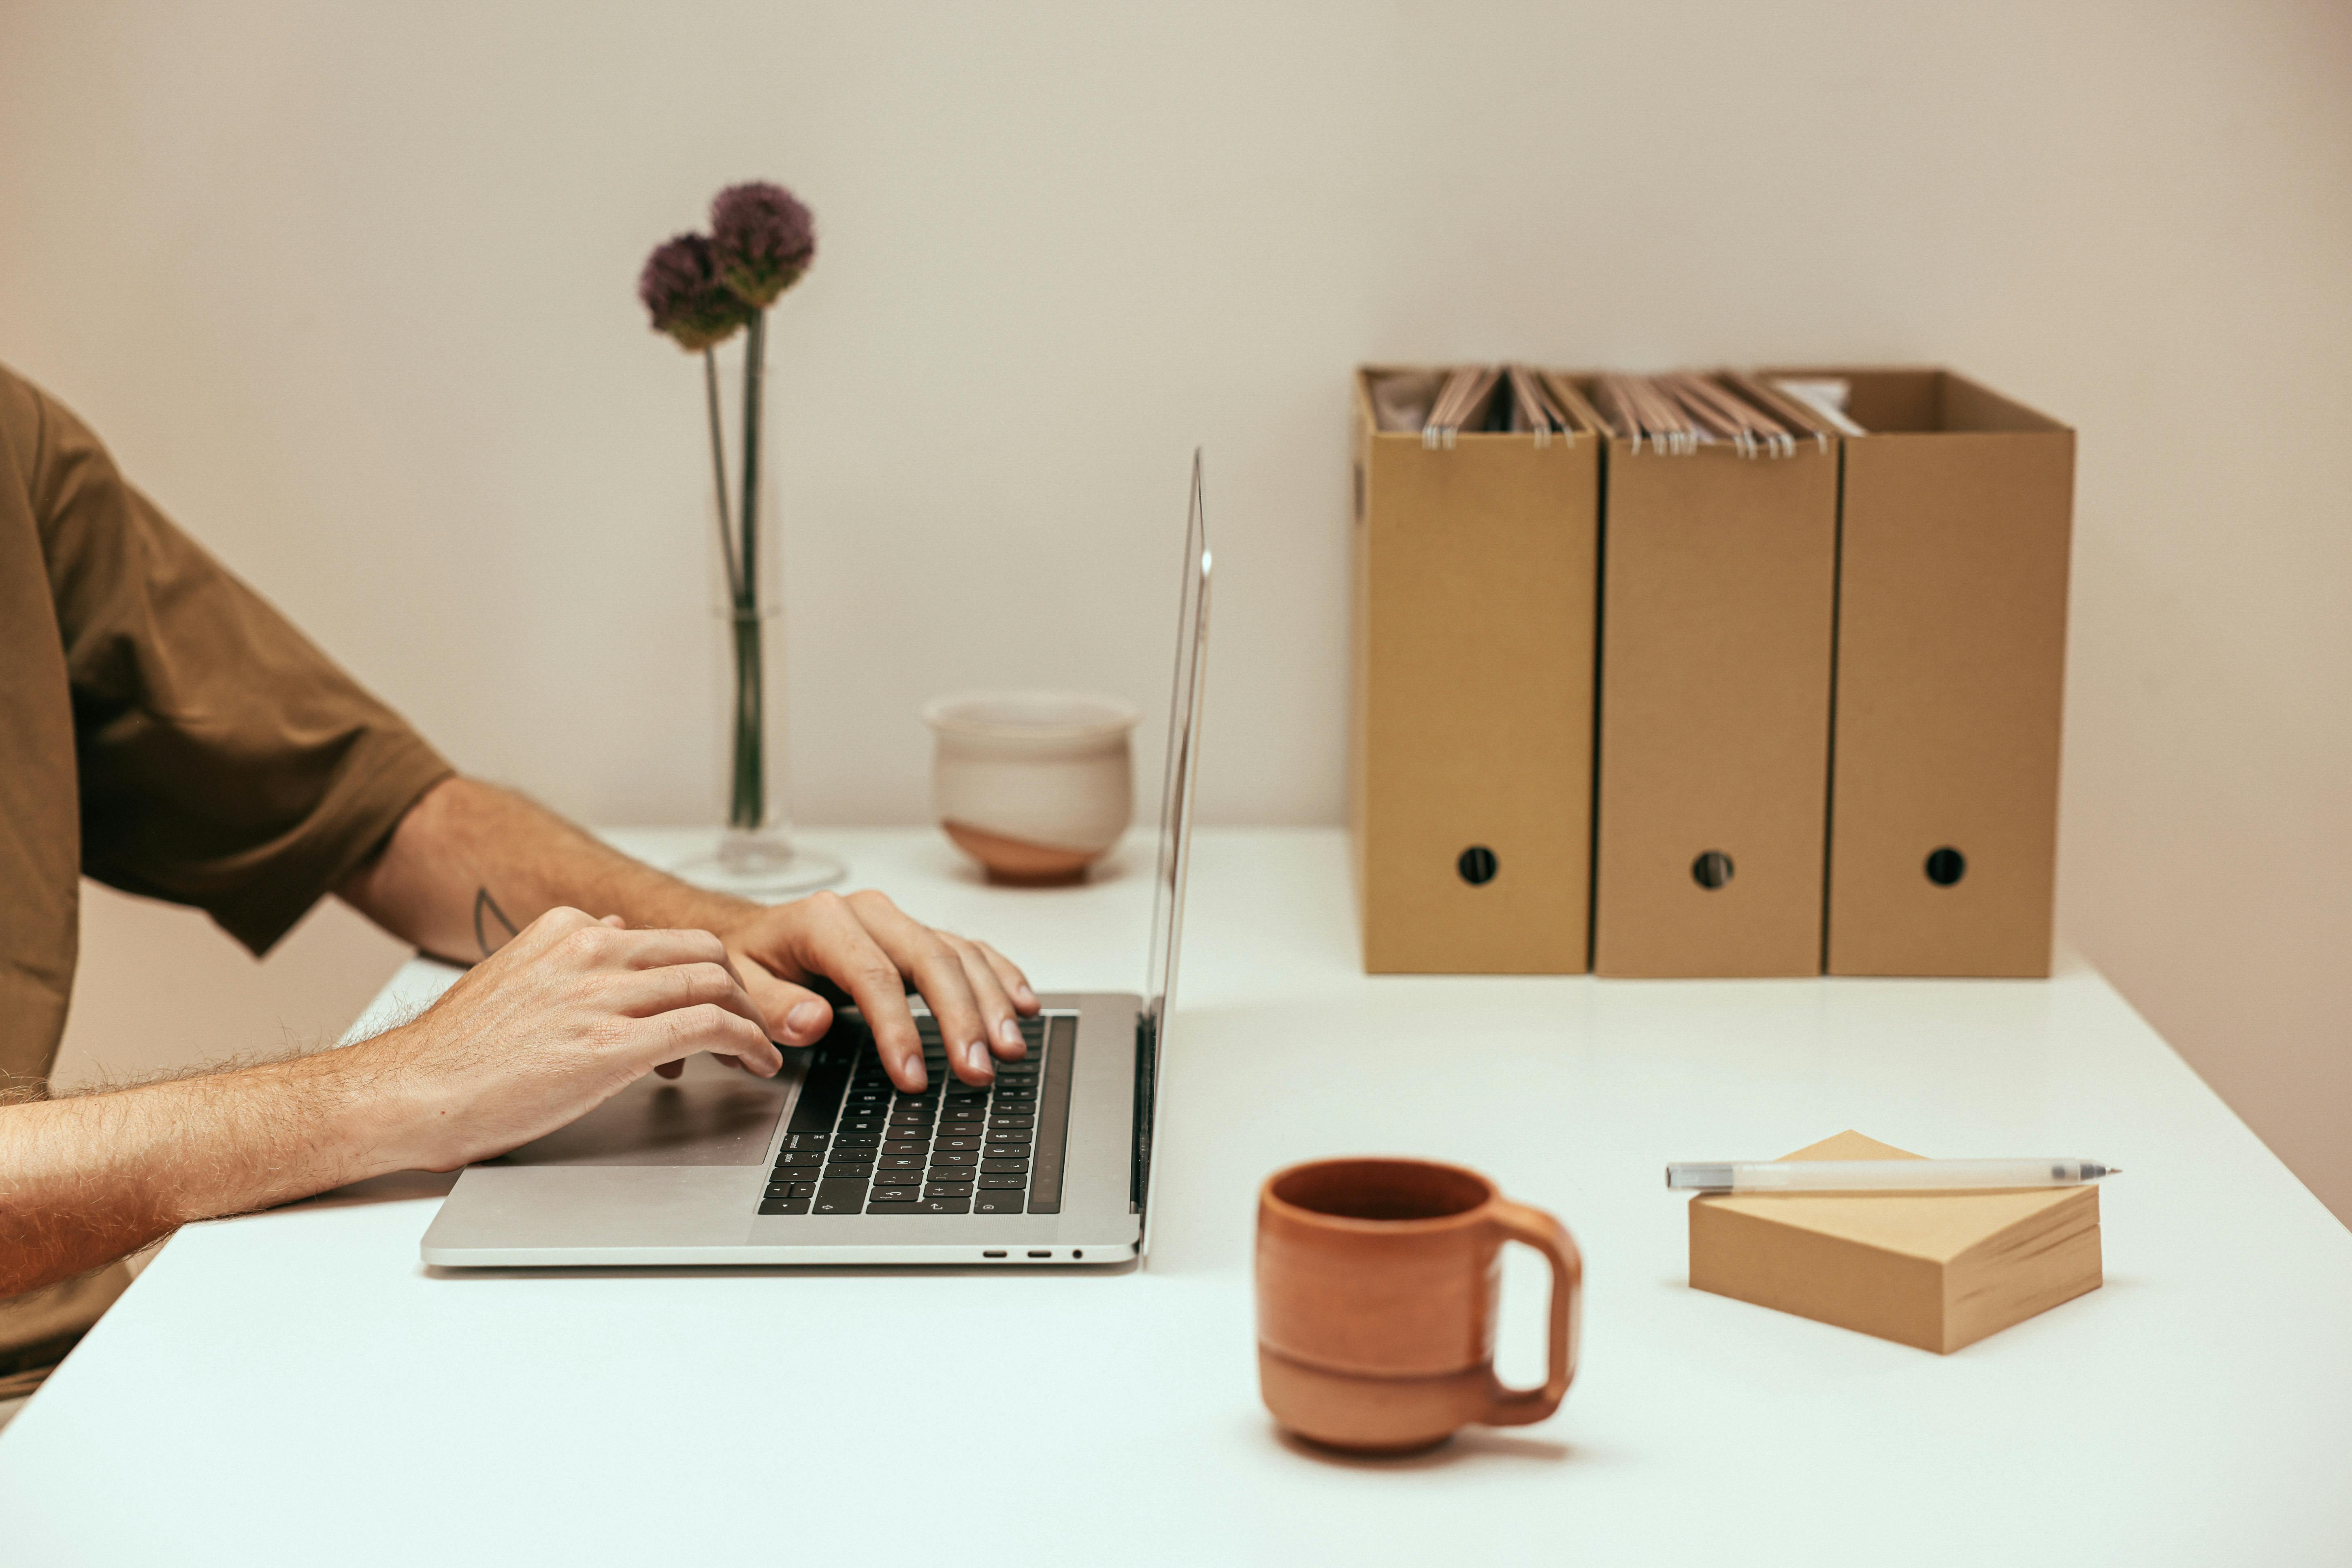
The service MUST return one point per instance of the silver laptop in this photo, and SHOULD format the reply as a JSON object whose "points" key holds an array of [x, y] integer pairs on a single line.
{"points": [[827, 1164]]}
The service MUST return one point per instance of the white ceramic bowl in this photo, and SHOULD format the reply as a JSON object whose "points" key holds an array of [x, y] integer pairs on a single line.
{"points": [[1035, 786]]}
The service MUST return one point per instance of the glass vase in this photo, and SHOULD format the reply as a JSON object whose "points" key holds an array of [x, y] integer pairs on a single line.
{"points": [[754, 853]]}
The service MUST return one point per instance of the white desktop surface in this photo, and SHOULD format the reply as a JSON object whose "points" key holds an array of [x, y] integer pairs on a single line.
{"points": [[296, 1387]]}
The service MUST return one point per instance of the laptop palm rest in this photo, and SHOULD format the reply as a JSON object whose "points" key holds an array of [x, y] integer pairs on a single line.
{"points": [[711, 1114]]}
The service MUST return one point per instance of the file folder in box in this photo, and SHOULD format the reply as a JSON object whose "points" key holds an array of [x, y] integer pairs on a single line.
{"points": [[1471, 744], [1719, 560]]}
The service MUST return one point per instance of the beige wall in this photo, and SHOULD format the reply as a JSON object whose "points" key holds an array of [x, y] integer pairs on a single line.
{"points": [[349, 287]]}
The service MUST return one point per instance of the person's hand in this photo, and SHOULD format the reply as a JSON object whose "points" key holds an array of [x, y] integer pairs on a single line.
{"points": [[869, 947], [555, 1022]]}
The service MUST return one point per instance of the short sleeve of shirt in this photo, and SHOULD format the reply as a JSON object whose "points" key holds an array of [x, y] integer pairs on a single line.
{"points": [[223, 760]]}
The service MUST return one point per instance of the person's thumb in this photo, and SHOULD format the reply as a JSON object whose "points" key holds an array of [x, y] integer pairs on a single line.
{"points": [[795, 1015]]}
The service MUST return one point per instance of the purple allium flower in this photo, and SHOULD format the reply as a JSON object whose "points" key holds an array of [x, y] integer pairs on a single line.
{"points": [[762, 239], [682, 291]]}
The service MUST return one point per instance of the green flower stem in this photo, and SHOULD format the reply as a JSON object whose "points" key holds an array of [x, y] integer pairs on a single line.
{"points": [[718, 473], [748, 807]]}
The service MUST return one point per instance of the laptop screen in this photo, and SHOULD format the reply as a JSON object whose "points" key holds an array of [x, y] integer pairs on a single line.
{"points": [[1175, 832]]}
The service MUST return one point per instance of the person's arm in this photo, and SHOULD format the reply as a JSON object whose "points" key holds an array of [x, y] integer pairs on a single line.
{"points": [[565, 1016], [470, 863]]}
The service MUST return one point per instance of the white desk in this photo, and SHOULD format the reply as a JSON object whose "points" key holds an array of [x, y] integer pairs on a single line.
{"points": [[296, 1387]]}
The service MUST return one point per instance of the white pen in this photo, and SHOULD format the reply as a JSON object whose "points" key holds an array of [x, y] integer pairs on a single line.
{"points": [[1879, 1175]]}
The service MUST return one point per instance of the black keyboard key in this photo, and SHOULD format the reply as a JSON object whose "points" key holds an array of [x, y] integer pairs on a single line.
{"points": [[973, 1117], [997, 1151], [848, 1173], [1005, 1167], [856, 1141], [806, 1139], [1004, 1183], [950, 1139], [1021, 1122], [944, 1205], [955, 1157], [839, 1197], [897, 1179], [901, 1163], [801, 1157], [895, 1195], [784, 1206], [819, 1100], [800, 1190], [947, 1189], [779, 1190], [996, 1203], [863, 1124]]}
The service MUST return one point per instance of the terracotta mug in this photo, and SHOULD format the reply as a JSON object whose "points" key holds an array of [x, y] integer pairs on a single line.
{"points": [[1376, 1294]]}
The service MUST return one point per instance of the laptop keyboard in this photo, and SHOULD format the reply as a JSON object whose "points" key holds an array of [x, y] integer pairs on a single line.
{"points": [[857, 1145]]}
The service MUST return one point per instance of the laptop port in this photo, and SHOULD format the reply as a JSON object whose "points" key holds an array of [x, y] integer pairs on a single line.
{"points": [[997, 1253], [1048, 1253]]}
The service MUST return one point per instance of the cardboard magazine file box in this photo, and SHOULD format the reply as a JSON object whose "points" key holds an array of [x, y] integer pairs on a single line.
{"points": [[1959, 508], [1718, 574], [1471, 744]]}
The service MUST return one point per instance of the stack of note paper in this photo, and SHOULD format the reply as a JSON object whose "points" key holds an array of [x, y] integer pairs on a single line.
{"points": [[1935, 1269]]}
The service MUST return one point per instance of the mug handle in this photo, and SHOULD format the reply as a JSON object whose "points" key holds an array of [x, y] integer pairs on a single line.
{"points": [[1517, 1406]]}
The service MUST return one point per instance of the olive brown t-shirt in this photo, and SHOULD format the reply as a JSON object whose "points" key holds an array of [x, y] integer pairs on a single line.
{"points": [[164, 730]]}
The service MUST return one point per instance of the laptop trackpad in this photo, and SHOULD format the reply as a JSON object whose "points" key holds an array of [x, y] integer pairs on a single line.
{"points": [[711, 1115]]}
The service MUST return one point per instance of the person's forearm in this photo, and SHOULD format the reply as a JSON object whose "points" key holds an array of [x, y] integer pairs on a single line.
{"points": [[84, 1181], [472, 864]]}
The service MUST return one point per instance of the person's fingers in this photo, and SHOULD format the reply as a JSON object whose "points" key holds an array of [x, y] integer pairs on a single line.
{"points": [[641, 993], [603, 945], [838, 946], [674, 1036], [999, 1024], [1008, 974], [938, 975], [795, 1015]]}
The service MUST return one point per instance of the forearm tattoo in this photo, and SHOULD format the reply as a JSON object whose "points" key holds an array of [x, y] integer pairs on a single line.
{"points": [[483, 902]]}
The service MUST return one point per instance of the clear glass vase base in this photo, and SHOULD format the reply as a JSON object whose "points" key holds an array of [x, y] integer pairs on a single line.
{"points": [[759, 865]]}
